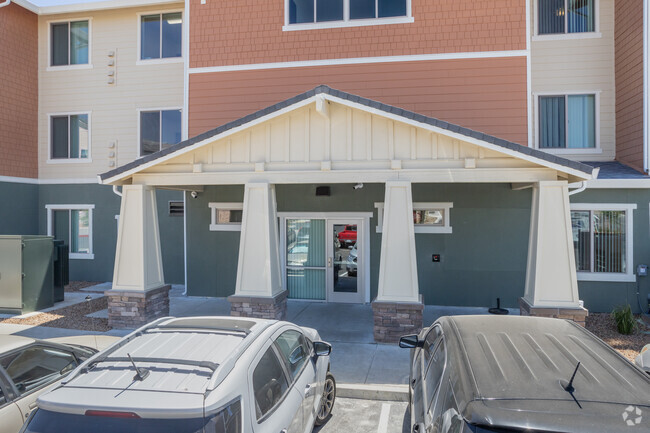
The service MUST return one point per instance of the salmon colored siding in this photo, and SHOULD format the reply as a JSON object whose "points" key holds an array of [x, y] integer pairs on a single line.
{"points": [[250, 31], [629, 83], [488, 95], [18, 92]]}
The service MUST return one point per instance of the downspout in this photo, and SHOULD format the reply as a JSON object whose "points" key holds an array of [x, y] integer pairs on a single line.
{"points": [[116, 191], [582, 187], [6, 3]]}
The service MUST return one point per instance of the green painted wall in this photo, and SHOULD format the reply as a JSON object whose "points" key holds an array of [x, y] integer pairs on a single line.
{"points": [[107, 205], [604, 296], [19, 212], [485, 257]]}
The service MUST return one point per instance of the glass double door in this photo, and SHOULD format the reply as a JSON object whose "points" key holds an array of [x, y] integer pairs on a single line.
{"points": [[324, 259]]}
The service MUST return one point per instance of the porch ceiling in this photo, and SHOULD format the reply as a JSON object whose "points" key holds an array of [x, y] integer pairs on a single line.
{"points": [[329, 136]]}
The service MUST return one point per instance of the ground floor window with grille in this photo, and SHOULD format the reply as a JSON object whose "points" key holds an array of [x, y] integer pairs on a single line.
{"points": [[602, 241], [73, 225]]}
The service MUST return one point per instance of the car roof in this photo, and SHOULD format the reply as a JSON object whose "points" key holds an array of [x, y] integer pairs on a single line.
{"points": [[11, 342], [188, 357], [524, 358]]}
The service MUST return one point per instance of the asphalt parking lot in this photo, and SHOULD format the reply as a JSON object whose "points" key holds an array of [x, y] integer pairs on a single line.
{"points": [[367, 416]]}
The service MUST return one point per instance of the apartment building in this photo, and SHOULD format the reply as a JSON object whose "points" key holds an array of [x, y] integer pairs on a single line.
{"points": [[510, 133]]}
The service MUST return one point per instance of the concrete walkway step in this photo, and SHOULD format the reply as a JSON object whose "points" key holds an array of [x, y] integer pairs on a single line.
{"points": [[381, 392]]}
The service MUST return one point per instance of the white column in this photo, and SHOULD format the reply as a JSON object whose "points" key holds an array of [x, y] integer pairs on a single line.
{"points": [[398, 273], [258, 268], [138, 259], [551, 279]]}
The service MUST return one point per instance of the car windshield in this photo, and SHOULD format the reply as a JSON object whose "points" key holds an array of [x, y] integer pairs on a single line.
{"points": [[55, 422]]}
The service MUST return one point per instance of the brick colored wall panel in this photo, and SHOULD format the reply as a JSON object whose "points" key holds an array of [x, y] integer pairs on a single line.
{"points": [[248, 32], [18, 92], [629, 82], [488, 95]]}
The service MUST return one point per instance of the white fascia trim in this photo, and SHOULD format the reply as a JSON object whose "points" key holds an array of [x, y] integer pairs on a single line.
{"points": [[27, 5], [69, 206], [362, 60], [11, 179], [567, 36], [629, 207], [619, 183], [563, 169], [103, 5], [606, 277]]}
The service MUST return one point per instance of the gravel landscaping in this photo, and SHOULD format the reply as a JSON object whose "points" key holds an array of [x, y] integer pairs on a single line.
{"points": [[76, 286], [629, 346]]}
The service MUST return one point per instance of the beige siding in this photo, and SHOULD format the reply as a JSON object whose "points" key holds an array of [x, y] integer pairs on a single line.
{"points": [[113, 107], [579, 65]]}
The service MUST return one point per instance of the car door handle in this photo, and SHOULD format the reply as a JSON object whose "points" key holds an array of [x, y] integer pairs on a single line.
{"points": [[284, 430], [32, 406], [307, 388]]}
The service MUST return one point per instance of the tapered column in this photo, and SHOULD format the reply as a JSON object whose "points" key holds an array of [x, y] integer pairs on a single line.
{"points": [[139, 293], [397, 310], [551, 280], [259, 291]]}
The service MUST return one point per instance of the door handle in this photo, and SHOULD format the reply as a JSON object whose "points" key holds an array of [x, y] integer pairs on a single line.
{"points": [[32, 406], [307, 389]]}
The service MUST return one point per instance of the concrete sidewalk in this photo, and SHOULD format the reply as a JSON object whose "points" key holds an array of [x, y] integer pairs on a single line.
{"points": [[355, 359]]}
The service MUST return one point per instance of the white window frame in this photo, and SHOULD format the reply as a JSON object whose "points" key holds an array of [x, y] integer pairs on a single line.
{"points": [[569, 150], [159, 61], [69, 207], [88, 65], [228, 227], [140, 110], [68, 160], [629, 275], [346, 22], [422, 228], [564, 36]]}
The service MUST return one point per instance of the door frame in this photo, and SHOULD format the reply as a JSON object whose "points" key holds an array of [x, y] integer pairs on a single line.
{"points": [[363, 274]]}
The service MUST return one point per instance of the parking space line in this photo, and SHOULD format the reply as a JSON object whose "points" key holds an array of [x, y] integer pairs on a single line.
{"points": [[383, 418]]}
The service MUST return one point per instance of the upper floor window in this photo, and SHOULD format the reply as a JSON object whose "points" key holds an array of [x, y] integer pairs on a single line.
{"points": [[70, 137], [324, 11], [159, 129], [70, 42], [566, 16], [567, 122], [161, 36]]}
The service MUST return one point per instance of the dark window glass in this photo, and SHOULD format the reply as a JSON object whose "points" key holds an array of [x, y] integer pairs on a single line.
{"points": [[171, 128], [392, 8], [3, 399], [150, 37], [360, 9], [60, 137], [430, 342], [301, 11], [552, 122], [329, 10], [293, 349], [36, 367], [59, 44], [79, 139], [149, 132], [79, 43], [580, 16], [172, 29], [434, 372], [551, 17], [269, 383], [581, 227]]}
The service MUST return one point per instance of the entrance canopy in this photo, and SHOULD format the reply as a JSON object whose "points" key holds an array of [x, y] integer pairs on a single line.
{"points": [[326, 135]]}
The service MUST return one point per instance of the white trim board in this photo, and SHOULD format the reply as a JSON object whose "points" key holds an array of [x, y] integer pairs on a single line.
{"points": [[362, 60], [12, 179], [224, 227], [421, 228], [69, 207], [100, 5]]}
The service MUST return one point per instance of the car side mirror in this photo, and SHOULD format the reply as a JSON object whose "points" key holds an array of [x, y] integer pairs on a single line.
{"points": [[410, 342], [322, 349]]}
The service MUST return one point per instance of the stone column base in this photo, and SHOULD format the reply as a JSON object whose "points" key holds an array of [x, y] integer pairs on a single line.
{"points": [[578, 315], [129, 309], [261, 307], [395, 319]]}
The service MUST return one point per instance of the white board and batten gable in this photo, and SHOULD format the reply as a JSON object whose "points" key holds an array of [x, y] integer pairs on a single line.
{"points": [[326, 138]]}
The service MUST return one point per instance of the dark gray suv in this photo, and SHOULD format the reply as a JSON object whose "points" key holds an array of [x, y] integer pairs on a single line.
{"points": [[508, 374]]}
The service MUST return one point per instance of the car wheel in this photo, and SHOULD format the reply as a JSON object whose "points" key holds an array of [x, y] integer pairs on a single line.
{"points": [[327, 400]]}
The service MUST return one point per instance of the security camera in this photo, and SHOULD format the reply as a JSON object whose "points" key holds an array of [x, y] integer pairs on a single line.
{"points": [[358, 186], [194, 194]]}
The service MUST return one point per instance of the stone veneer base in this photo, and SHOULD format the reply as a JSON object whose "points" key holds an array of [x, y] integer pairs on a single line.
{"points": [[395, 319], [261, 307], [129, 309], [578, 315]]}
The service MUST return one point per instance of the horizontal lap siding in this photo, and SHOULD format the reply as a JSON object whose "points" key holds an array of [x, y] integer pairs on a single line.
{"points": [[18, 92], [248, 32], [488, 95], [629, 83]]}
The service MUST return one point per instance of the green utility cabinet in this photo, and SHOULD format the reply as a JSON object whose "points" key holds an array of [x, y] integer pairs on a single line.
{"points": [[26, 273]]}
